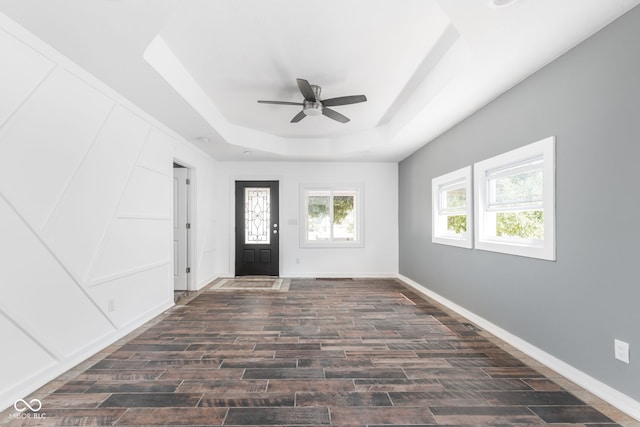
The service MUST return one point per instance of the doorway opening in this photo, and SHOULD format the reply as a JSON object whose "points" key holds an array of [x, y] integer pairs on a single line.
{"points": [[257, 228], [181, 231]]}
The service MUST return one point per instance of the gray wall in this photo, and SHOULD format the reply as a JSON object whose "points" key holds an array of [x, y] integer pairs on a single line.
{"points": [[572, 308]]}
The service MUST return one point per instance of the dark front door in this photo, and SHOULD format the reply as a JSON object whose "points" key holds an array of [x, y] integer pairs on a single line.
{"points": [[257, 228]]}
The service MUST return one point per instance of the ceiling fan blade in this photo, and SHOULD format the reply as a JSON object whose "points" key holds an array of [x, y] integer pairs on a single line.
{"points": [[280, 102], [306, 90], [333, 114], [301, 115], [344, 100]]}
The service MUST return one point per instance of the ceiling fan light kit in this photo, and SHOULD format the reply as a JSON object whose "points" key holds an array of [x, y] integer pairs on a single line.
{"points": [[313, 105], [312, 109]]}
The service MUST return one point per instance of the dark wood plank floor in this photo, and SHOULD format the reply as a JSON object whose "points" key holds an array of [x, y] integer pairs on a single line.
{"points": [[327, 352]]}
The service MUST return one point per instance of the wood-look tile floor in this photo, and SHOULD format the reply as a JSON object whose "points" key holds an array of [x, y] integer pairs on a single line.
{"points": [[327, 352]]}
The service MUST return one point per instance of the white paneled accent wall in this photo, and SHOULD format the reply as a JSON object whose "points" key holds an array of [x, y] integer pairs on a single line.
{"points": [[85, 214]]}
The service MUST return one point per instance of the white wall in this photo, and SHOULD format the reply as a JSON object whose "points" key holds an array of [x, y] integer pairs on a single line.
{"points": [[85, 214], [378, 257]]}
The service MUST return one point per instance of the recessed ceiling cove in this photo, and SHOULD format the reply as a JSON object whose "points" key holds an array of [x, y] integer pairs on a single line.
{"points": [[239, 52]]}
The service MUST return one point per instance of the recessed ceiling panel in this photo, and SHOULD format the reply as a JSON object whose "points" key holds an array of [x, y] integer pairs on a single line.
{"points": [[242, 51]]}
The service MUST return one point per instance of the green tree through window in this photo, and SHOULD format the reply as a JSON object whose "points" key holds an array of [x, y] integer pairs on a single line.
{"points": [[342, 206], [457, 224], [523, 224]]}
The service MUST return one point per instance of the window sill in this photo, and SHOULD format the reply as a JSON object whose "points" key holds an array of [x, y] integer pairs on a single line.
{"points": [[518, 249]]}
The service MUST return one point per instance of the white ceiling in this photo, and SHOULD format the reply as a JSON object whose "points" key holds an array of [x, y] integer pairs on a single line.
{"points": [[199, 66]]}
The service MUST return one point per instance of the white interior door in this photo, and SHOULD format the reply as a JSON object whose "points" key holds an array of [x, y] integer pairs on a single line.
{"points": [[180, 229]]}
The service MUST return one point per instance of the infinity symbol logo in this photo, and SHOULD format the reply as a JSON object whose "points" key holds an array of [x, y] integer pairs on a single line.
{"points": [[34, 405]]}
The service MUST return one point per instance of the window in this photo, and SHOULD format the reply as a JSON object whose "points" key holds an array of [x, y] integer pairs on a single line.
{"points": [[451, 209], [331, 216], [257, 215], [515, 201]]}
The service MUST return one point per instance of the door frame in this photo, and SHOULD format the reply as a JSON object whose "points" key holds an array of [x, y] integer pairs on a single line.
{"points": [[191, 232], [232, 216]]}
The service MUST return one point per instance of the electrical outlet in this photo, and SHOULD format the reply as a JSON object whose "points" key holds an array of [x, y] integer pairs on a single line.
{"points": [[297, 260], [621, 350], [111, 305]]}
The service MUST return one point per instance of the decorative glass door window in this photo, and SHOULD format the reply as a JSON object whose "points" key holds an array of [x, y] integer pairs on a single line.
{"points": [[257, 216]]}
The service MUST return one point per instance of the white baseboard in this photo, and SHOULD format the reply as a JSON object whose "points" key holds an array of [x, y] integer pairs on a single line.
{"points": [[51, 372], [617, 399], [341, 275], [312, 275]]}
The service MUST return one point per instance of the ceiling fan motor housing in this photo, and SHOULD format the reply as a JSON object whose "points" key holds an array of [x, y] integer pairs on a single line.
{"points": [[311, 108]]}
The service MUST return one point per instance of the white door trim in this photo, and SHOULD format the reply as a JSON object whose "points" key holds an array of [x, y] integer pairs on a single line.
{"points": [[181, 224]]}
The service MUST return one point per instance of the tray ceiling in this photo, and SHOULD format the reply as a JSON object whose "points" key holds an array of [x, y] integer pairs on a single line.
{"points": [[199, 66]]}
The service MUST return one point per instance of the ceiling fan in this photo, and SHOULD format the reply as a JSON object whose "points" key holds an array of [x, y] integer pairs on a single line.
{"points": [[313, 105]]}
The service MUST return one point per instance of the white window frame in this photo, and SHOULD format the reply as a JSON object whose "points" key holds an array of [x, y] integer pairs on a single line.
{"points": [[485, 238], [460, 178], [358, 241]]}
